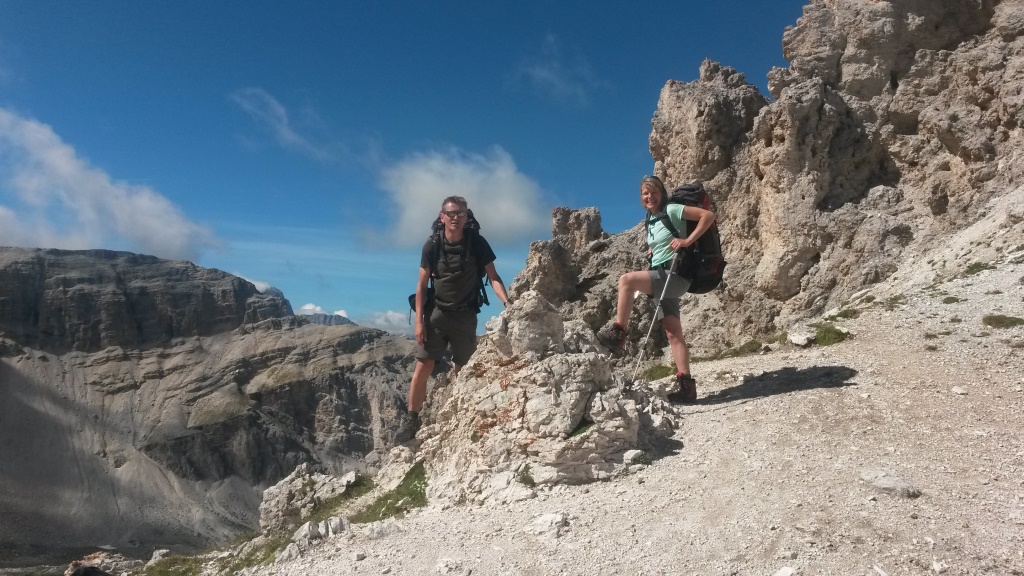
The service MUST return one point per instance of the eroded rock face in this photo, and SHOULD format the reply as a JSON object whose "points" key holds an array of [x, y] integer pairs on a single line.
{"points": [[175, 439], [298, 496], [897, 123], [537, 405], [886, 136], [88, 300], [577, 271]]}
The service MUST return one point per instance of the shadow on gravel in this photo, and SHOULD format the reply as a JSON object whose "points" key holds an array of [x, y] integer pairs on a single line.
{"points": [[783, 381], [662, 447]]}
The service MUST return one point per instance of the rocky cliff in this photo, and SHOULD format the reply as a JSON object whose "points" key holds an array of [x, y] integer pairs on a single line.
{"points": [[61, 300], [328, 319], [150, 402], [897, 124]]}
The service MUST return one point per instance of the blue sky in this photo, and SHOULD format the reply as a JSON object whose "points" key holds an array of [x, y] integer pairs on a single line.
{"points": [[308, 145]]}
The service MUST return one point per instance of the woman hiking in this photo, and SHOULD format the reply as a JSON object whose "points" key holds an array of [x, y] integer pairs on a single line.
{"points": [[663, 245]]}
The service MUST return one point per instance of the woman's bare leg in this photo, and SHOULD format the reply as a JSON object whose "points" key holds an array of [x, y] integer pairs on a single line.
{"points": [[680, 353], [629, 284]]}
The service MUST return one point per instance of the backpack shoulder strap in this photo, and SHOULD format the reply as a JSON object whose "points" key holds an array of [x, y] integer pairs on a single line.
{"points": [[663, 217], [436, 246]]}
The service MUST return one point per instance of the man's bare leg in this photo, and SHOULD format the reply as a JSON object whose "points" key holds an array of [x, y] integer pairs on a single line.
{"points": [[418, 386]]}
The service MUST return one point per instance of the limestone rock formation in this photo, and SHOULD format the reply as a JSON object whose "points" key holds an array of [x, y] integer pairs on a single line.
{"points": [[577, 271], [327, 319], [190, 407], [896, 124], [537, 405], [298, 495], [60, 300]]}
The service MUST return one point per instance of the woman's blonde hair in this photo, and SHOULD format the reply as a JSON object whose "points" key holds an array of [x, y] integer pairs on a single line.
{"points": [[657, 184]]}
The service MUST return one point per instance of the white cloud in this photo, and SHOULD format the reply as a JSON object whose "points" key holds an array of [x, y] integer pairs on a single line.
{"points": [[309, 310], [389, 321], [57, 200], [506, 202], [550, 72], [273, 116]]}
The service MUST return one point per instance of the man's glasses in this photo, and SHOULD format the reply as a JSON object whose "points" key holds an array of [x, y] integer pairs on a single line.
{"points": [[453, 214]]}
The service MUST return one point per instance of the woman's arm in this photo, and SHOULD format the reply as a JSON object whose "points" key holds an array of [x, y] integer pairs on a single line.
{"points": [[704, 219]]}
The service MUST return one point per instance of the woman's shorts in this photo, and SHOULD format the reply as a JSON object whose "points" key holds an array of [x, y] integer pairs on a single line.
{"points": [[445, 328], [677, 286]]}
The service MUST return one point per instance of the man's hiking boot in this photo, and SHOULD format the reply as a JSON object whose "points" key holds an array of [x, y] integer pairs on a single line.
{"points": [[687, 393], [408, 426], [613, 337]]}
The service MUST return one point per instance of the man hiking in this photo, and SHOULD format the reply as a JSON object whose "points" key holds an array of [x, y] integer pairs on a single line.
{"points": [[456, 258]]}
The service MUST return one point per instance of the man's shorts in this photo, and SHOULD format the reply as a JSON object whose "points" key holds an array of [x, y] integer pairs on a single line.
{"points": [[677, 286], [445, 328]]}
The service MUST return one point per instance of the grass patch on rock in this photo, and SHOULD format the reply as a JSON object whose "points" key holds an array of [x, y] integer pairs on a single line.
{"points": [[261, 555], [848, 313], [747, 348], [330, 507], [175, 566], [977, 267], [1001, 321], [581, 429], [659, 372], [826, 334], [411, 493]]}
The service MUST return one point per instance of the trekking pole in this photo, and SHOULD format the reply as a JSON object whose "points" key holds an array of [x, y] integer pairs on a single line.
{"points": [[671, 270]]}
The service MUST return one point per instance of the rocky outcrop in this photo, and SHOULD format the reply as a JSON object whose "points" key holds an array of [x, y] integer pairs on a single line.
{"points": [[296, 497], [328, 319], [538, 405], [61, 300], [172, 442], [577, 272], [896, 124]]}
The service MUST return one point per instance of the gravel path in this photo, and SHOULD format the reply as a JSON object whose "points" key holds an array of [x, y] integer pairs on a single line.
{"points": [[898, 451]]}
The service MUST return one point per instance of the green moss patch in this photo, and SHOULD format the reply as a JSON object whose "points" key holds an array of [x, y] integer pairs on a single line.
{"points": [[175, 566], [659, 372], [581, 429], [826, 334], [977, 267], [330, 507], [411, 493]]}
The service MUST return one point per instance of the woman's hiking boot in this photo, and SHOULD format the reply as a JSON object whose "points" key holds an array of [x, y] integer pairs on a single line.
{"points": [[687, 393], [613, 337]]}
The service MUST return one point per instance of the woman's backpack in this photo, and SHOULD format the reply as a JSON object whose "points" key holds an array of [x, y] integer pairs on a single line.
{"points": [[704, 265]]}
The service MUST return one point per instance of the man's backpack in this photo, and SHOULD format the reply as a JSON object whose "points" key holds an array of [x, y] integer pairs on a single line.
{"points": [[704, 264], [471, 233]]}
